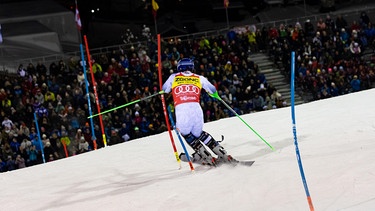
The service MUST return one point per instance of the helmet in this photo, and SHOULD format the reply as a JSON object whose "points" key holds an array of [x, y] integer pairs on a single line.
{"points": [[185, 64]]}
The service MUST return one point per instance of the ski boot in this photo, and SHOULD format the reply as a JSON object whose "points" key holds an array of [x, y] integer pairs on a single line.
{"points": [[201, 155], [222, 154]]}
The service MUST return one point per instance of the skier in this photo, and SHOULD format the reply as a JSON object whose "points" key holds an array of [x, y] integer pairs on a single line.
{"points": [[186, 90]]}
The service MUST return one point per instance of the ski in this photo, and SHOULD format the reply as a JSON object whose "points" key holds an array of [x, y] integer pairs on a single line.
{"points": [[238, 163], [234, 163], [246, 162]]}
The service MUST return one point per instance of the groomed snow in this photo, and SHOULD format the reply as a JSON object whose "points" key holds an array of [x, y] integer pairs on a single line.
{"points": [[336, 140]]}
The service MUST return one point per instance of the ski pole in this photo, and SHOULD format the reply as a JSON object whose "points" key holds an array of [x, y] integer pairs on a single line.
{"points": [[179, 137], [216, 96], [127, 104]]}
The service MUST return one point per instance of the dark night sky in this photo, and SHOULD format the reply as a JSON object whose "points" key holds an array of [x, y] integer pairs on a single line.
{"points": [[140, 10]]}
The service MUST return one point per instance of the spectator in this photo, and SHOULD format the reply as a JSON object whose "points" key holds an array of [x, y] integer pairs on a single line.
{"points": [[10, 163], [355, 49], [137, 119], [258, 102], [50, 158], [39, 96], [3, 165], [49, 96], [125, 132], [364, 19], [321, 25], [334, 90], [355, 84], [24, 147], [31, 70], [309, 28], [80, 78], [15, 146], [144, 126], [330, 24], [45, 139], [276, 99], [21, 71], [33, 155], [41, 68], [7, 123], [341, 22], [41, 111], [83, 145], [124, 61], [20, 162], [114, 137], [88, 137], [137, 133]]}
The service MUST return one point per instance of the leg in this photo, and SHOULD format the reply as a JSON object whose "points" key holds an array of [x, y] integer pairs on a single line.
{"points": [[201, 154], [209, 141]]}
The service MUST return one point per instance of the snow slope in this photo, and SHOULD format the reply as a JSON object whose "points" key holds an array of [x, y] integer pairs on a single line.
{"points": [[336, 140]]}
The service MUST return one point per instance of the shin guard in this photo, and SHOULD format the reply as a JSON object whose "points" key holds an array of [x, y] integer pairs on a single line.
{"points": [[209, 141], [200, 151], [192, 141]]}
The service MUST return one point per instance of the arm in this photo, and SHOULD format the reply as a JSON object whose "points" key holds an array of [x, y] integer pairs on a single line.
{"points": [[208, 86], [167, 86]]}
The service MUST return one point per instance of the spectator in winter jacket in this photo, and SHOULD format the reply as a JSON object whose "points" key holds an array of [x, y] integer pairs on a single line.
{"points": [[20, 162], [49, 150], [344, 36], [115, 138], [15, 146], [258, 102], [309, 28], [137, 119], [83, 145], [355, 49], [24, 130], [11, 165], [355, 84], [144, 126], [3, 165], [33, 155], [6, 151], [7, 123]]}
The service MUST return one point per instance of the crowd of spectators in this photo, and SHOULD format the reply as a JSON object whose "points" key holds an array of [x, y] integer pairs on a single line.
{"points": [[331, 57], [55, 95]]}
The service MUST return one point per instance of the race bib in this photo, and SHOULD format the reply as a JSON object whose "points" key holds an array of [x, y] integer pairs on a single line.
{"points": [[186, 89]]}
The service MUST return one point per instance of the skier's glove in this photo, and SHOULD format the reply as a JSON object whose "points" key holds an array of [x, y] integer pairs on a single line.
{"points": [[215, 95]]}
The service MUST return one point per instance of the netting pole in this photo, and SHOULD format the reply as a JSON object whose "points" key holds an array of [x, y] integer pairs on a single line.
{"points": [[164, 104], [295, 132]]}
